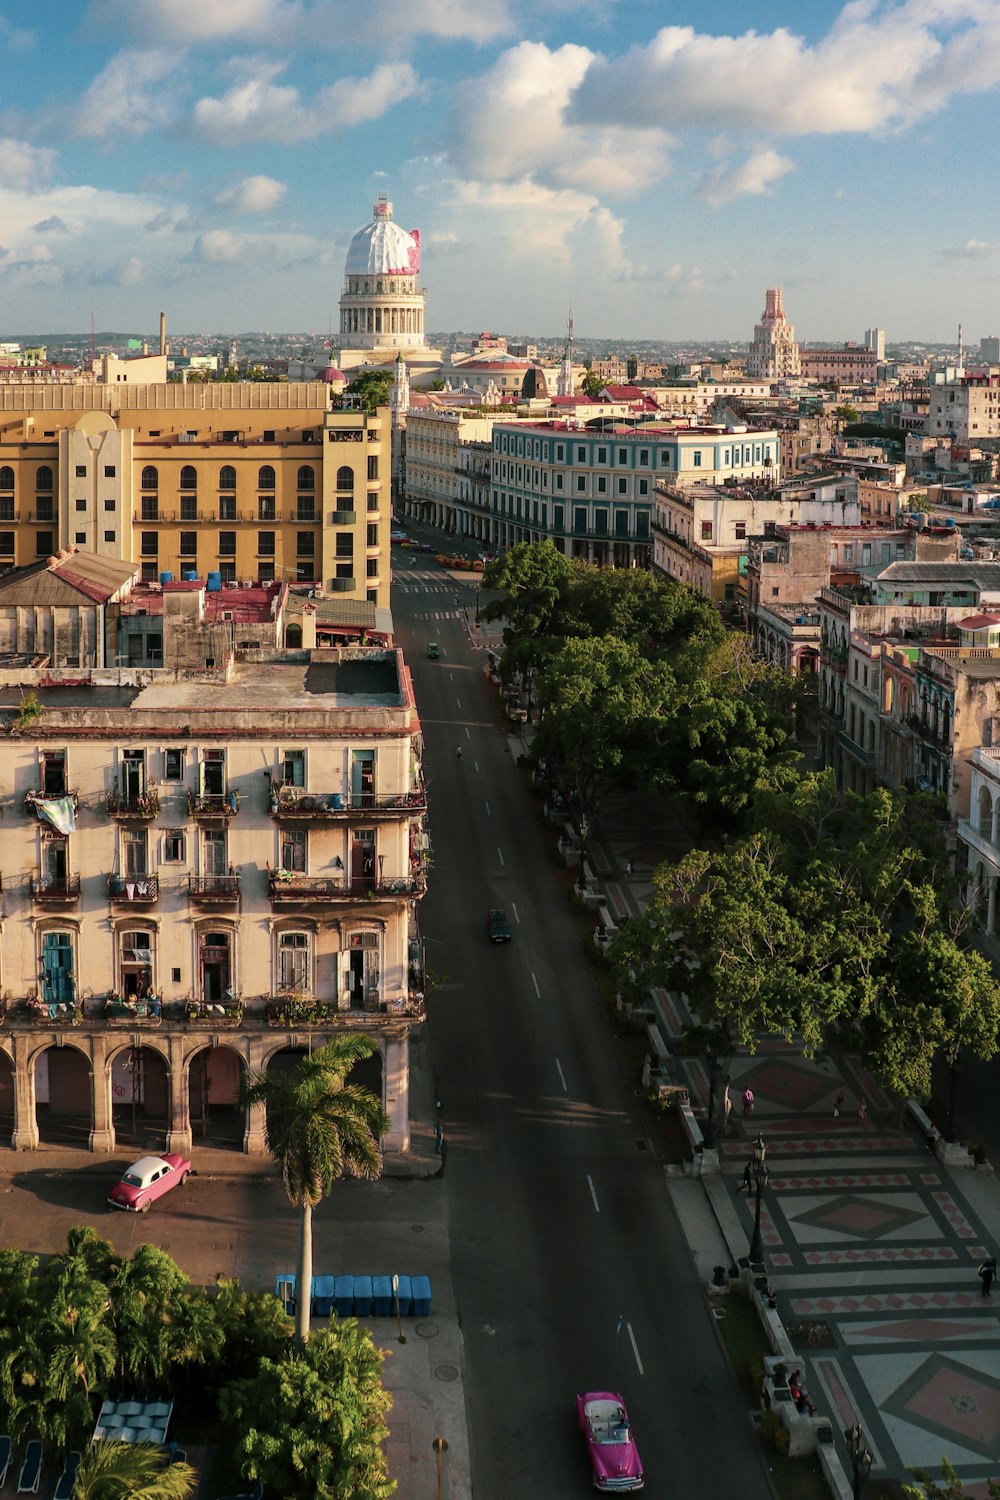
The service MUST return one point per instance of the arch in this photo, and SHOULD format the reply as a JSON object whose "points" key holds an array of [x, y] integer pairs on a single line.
{"points": [[43, 477], [140, 1094], [293, 637], [227, 477], [265, 477], [305, 479], [150, 478], [378, 288], [189, 477], [6, 477], [984, 812], [345, 479], [370, 1072], [63, 1094], [6, 1096], [215, 1077]]}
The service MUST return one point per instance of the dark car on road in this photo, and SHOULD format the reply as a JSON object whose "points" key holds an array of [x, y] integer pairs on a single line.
{"points": [[497, 925]]}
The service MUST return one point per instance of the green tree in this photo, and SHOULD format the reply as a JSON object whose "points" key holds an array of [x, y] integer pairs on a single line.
{"points": [[659, 616], [373, 386], [846, 413], [145, 1295], [319, 1127], [313, 1424], [131, 1471], [951, 1489], [592, 385], [254, 1327], [77, 1352]]}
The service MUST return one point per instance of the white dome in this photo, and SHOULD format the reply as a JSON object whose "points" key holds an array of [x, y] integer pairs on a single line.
{"points": [[382, 248]]}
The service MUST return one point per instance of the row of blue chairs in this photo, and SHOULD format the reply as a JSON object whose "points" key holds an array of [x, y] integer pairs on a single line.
{"points": [[31, 1469], [359, 1296]]}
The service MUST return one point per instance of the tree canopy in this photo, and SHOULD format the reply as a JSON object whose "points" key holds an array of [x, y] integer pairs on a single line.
{"points": [[373, 386]]}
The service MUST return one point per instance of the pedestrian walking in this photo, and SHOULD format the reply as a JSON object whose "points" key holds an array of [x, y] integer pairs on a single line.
{"points": [[747, 1178], [747, 1102], [863, 1113], [438, 1137], [727, 1107], [628, 869], [838, 1104], [987, 1274]]}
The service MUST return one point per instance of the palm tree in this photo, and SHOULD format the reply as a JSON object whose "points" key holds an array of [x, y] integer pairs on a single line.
{"points": [[131, 1471], [319, 1128]]}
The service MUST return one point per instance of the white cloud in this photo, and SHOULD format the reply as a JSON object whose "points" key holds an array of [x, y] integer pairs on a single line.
{"points": [[329, 24], [218, 245], [253, 195], [511, 121], [23, 165], [126, 97], [755, 175], [527, 221], [879, 66], [180, 22], [259, 110], [971, 250], [52, 225]]}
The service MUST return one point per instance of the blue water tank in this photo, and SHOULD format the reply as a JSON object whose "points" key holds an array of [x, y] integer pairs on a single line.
{"points": [[166, 577], [213, 582], [189, 575]]}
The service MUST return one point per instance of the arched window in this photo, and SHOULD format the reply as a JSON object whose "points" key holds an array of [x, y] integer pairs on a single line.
{"points": [[265, 477], [293, 637], [189, 477], [150, 478], [294, 962], [305, 480], [6, 478], [378, 287], [227, 477], [345, 479], [43, 478]]}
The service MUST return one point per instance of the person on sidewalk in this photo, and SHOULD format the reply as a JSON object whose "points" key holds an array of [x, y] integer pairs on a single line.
{"points": [[438, 1136], [747, 1102], [838, 1104], [987, 1274], [727, 1107], [747, 1178], [628, 869], [863, 1114]]}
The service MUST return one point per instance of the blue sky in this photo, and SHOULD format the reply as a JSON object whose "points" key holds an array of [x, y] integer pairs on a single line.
{"points": [[657, 163]]}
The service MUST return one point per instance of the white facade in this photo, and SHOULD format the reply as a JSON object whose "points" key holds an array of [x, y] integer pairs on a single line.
{"points": [[382, 306], [965, 410]]}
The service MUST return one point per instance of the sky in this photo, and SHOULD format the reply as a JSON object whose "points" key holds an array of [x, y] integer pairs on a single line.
{"points": [[656, 164]]}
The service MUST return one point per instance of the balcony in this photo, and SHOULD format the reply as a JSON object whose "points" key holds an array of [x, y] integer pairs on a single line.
{"points": [[293, 804], [35, 799], [134, 890], [213, 807], [214, 890], [50, 890], [142, 807], [289, 888]]}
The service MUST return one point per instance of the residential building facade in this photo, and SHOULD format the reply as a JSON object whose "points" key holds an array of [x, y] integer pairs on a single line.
{"points": [[966, 410], [849, 365]]}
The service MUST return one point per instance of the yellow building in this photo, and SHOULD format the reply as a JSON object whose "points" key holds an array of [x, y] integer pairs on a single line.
{"points": [[249, 481]]}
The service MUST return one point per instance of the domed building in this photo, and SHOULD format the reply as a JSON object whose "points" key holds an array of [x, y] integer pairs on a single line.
{"points": [[382, 306]]}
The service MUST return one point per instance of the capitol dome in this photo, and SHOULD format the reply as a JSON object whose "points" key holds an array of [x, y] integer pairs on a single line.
{"points": [[383, 248]]}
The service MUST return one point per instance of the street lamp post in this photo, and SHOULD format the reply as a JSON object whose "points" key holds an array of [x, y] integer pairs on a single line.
{"points": [[955, 1067], [440, 1446], [399, 1318], [861, 1458], [760, 1180]]}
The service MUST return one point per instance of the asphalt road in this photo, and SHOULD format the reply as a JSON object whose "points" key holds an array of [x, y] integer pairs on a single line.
{"points": [[560, 1226]]}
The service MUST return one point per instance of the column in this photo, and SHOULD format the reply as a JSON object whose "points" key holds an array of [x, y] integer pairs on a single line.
{"points": [[995, 814], [253, 1138], [396, 1091], [179, 1054], [991, 905], [102, 1132], [25, 1136]]}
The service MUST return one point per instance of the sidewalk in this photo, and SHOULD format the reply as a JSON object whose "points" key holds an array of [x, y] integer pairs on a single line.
{"points": [[871, 1244]]}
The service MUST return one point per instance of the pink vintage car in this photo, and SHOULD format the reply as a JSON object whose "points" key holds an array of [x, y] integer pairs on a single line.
{"points": [[148, 1179], [611, 1448]]}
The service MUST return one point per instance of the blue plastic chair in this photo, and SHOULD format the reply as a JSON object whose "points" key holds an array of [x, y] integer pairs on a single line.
{"points": [[6, 1454], [31, 1469], [64, 1486]]}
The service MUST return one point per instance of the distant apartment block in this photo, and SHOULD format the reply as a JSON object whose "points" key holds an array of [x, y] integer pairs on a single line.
{"points": [[773, 354], [849, 365], [966, 410]]}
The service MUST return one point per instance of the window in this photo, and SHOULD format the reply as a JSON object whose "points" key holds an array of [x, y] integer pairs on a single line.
{"points": [[189, 507], [305, 479], [559, 481], [642, 525], [135, 957], [81, 471], [54, 773], [265, 477], [848, 553], [372, 534], [644, 458], [602, 455], [706, 531], [188, 544], [643, 486], [133, 848], [189, 477], [109, 471], [265, 544], [43, 544], [305, 544], [581, 484], [293, 768], [581, 454], [623, 486], [621, 521], [149, 544], [109, 504], [373, 504], [58, 980], [149, 508], [227, 477], [6, 477], [6, 544], [227, 507], [265, 508], [345, 480], [580, 520], [557, 518], [293, 961], [150, 478], [293, 849], [80, 538], [371, 567], [373, 466], [227, 543], [81, 504], [601, 520], [345, 544], [741, 531], [344, 570], [696, 458], [623, 455], [173, 846]]}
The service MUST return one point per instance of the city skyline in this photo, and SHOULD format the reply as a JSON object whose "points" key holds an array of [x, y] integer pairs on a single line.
{"points": [[657, 166]]}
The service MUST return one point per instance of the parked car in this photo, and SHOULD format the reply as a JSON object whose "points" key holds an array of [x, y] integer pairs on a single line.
{"points": [[614, 1458], [398, 536], [148, 1179], [497, 925]]}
